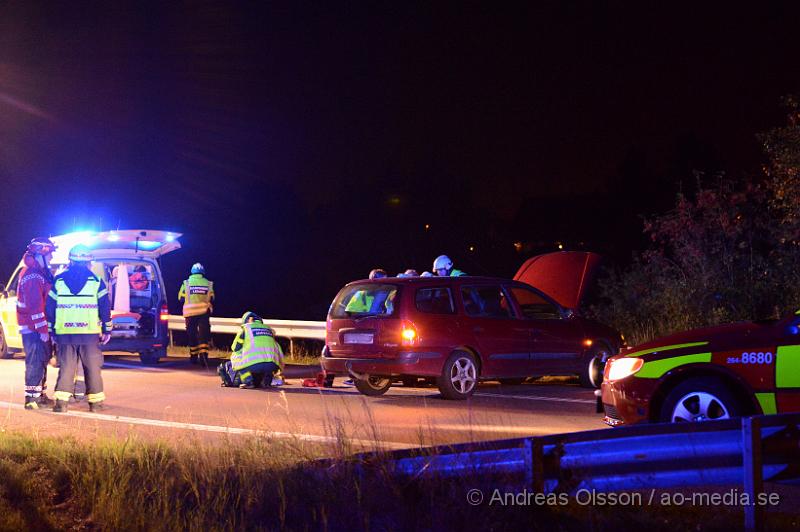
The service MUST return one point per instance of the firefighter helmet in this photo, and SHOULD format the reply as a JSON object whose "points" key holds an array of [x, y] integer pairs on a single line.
{"points": [[41, 246], [80, 253], [377, 273], [442, 262], [249, 317]]}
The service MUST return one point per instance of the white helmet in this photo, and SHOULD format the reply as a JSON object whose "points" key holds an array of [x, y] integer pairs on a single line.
{"points": [[426, 274], [442, 262]]}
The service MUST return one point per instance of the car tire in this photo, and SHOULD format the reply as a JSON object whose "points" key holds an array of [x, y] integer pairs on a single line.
{"points": [[700, 399], [594, 365], [373, 386], [512, 382], [152, 356], [459, 376], [5, 352]]}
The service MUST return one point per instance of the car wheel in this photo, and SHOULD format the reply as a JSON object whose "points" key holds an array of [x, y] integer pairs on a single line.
{"points": [[373, 385], [512, 382], [700, 399], [5, 352], [594, 366], [459, 376]]}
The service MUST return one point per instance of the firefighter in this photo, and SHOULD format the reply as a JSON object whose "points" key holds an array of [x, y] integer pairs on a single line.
{"points": [[443, 267], [79, 314], [35, 281], [198, 293], [256, 356]]}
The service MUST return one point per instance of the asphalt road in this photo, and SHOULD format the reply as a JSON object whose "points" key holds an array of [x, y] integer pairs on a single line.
{"points": [[176, 401]]}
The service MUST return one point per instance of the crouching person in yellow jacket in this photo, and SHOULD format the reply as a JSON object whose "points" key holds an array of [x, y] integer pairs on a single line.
{"points": [[255, 358]]}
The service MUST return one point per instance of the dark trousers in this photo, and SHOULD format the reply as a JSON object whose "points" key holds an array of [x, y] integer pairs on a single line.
{"points": [[37, 355], [198, 329], [70, 356], [258, 374]]}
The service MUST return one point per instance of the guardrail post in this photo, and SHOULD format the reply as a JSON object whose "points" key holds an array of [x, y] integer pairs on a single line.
{"points": [[291, 347], [534, 468], [753, 472]]}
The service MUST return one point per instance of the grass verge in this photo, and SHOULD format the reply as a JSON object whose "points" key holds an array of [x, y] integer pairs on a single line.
{"points": [[259, 484]]}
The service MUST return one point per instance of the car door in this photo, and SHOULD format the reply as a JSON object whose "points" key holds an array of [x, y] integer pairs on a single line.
{"points": [[502, 338], [556, 340], [8, 312]]}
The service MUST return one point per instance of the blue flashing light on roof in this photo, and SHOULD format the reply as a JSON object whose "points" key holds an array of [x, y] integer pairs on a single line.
{"points": [[170, 237], [149, 245], [113, 237]]}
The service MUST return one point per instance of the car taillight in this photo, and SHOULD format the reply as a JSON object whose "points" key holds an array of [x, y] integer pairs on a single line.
{"points": [[408, 335], [164, 314]]}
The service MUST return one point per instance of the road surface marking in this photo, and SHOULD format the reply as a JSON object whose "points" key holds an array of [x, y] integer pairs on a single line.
{"points": [[537, 398], [210, 428]]}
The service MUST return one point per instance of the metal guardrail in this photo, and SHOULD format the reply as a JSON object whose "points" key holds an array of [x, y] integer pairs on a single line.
{"points": [[744, 451], [292, 329]]}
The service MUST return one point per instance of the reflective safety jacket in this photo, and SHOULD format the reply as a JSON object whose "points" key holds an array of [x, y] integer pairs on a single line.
{"points": [[77, 306], [198, 293], [34, 285], [456, 273], [255, 344], [360, 302]]}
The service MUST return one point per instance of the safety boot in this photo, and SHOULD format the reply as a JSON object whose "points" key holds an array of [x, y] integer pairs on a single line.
{"points": [[247, 386], [61, 406], [44, 400], [96, 407], [31, 403]]}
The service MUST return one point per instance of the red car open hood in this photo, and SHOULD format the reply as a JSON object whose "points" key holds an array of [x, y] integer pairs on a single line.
{"points": [[563, 275]]}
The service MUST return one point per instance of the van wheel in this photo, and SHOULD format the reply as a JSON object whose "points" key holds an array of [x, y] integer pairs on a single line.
{"points": [[5, 352], [459, 376], [373, 385], [700, 399], [594, 366], [152, 356]]}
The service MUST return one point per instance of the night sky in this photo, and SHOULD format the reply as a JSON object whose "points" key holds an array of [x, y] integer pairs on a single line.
{"points": [[299, 147]]}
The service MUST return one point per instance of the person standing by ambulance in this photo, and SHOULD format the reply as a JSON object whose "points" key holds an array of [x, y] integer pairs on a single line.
{"points": [[35, 281], [79, 313], [197, 292]]}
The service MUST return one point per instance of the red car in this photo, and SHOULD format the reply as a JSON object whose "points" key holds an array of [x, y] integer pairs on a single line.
{"points": [[460, 330], [715, 373]]}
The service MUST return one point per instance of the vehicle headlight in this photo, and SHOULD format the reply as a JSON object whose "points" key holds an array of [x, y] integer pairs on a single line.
{"points": [[624, 367]]}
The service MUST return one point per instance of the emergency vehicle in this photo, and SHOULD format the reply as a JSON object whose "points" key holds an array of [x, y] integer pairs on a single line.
{"points": [[128, 262], [719, 372]]}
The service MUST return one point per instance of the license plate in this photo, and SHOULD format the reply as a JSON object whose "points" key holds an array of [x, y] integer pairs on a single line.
{"points": [[358, 338]]}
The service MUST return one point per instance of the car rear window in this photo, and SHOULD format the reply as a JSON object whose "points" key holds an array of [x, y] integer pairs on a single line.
{"points": [[365, 300], [485, 301], [434, 301]]}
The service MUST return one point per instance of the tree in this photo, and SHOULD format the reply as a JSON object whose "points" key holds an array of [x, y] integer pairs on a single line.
{"points": [[729, 251]]}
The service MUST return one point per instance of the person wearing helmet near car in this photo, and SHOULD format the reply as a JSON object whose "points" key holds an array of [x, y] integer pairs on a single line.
{"points": [[443, 267], [256, 356], [79, 313], [198, 295], [35, 281]]}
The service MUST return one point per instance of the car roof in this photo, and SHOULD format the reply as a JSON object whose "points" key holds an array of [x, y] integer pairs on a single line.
{"points": [[123, 244]]}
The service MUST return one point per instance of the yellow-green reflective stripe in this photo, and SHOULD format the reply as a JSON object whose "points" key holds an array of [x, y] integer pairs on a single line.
{"points": [[767, 402], [664, 348], [797, 312], [787, 366], [656, 368]]}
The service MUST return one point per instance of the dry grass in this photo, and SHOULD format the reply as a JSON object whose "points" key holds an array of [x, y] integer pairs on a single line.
{"points": [[261, 484]]}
